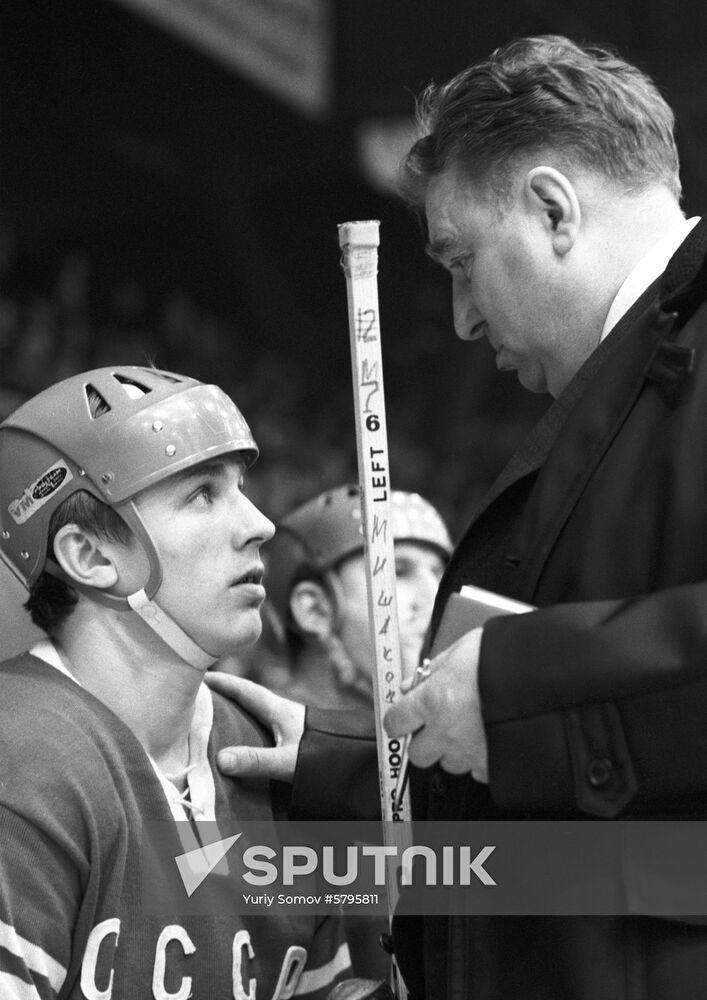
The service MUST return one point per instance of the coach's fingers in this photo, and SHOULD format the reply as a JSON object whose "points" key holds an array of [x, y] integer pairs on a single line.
{"points": [[276, 763], [284, 718], [408, 713], [270, 708]]}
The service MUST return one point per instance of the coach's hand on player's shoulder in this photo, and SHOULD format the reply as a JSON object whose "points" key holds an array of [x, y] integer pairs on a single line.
{"points": [[444, 713], [284, 718]]}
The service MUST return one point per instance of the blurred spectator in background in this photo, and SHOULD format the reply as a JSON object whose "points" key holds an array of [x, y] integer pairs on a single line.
{"points": [[316, 583]]}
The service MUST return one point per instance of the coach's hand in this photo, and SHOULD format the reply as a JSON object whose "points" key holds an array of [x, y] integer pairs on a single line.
{"points": [[444, 713], [284, 718]]}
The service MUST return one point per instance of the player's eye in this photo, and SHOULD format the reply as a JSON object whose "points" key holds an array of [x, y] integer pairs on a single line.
{"points": [[204, 495]]}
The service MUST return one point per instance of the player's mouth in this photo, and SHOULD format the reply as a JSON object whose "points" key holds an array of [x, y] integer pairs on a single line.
{"points": [[254, 577]]}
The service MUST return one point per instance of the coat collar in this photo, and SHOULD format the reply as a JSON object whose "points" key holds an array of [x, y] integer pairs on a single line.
{"points": [[684, 283]]}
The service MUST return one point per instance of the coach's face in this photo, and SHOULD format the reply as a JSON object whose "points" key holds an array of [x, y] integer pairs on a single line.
{"points": [[512, 279]]}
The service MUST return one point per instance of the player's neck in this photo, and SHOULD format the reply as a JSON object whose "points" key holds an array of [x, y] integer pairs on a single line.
{"points": [[123, 664]]}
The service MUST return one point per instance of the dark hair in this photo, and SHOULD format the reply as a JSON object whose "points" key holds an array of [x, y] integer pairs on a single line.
{"points": [[51, 600], [583, 102]]}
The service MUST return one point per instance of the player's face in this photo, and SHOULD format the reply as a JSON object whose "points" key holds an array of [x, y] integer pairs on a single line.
{"points": [[505, 282], [418, 570], [208, 535]]}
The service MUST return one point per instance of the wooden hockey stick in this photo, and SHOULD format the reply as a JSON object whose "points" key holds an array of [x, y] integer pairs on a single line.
{"points": [[359, 245]]}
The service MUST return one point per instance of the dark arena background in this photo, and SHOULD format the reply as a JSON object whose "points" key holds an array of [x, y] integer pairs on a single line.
{"points": [[172, 176]]}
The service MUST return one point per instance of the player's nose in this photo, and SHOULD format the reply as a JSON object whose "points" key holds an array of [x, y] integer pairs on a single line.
{"points": [[250, 524]]}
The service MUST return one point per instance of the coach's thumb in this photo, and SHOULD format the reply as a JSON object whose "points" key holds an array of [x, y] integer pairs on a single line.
{"points": [[253, 762]]}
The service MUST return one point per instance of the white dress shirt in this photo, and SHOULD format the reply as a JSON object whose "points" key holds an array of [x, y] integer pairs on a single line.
{"points": [[649, 267]]}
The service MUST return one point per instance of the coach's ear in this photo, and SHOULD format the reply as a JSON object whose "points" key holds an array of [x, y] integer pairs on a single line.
{"points": [[84, 557], [312, 609], [552, 198]]}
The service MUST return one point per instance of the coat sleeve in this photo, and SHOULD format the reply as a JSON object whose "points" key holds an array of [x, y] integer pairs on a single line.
{"points": [[336, 777], [599, 707]]}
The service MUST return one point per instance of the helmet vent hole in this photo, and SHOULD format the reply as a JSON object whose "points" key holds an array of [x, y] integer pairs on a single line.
{"points": [[97, 404], [133, 388]]}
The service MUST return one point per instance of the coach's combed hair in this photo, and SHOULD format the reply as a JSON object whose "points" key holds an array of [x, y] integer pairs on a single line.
{"points": [[583, 102]]}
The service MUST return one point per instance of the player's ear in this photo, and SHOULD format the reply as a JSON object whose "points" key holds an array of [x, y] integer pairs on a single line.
{"points": [[84, 557], [552, 197], [312, 609]]}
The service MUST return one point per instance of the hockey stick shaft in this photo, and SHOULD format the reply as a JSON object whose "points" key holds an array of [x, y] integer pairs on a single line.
{"points": [[359, 245]]}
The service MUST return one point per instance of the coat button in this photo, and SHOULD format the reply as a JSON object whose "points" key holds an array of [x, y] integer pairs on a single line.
{"points": [[385, 941], [600, 772]]}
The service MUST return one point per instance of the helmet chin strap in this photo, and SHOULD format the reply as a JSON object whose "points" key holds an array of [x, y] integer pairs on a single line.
{"points": [[169, 632], [142, 601]]}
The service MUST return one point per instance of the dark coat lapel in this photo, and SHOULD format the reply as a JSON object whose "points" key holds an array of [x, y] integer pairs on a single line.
{"points": [[581, 442], [599, 399], [479, 556]]}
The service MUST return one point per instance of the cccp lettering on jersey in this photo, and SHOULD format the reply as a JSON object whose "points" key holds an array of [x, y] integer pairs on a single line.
{"points": [[237, 965]]}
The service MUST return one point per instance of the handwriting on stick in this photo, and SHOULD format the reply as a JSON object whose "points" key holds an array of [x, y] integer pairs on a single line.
{"points": [[370, 380], [367, 325]]}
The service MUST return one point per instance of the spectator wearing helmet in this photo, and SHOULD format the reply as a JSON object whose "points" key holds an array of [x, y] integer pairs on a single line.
{"points": [[123, 513], [317, 589]]}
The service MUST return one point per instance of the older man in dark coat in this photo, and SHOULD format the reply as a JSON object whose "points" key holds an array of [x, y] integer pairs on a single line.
{"points": [[548, 177]]}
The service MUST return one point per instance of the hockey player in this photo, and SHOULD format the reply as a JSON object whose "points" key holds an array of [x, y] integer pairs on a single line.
{"points": [[123, 513], [317, 589]]}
